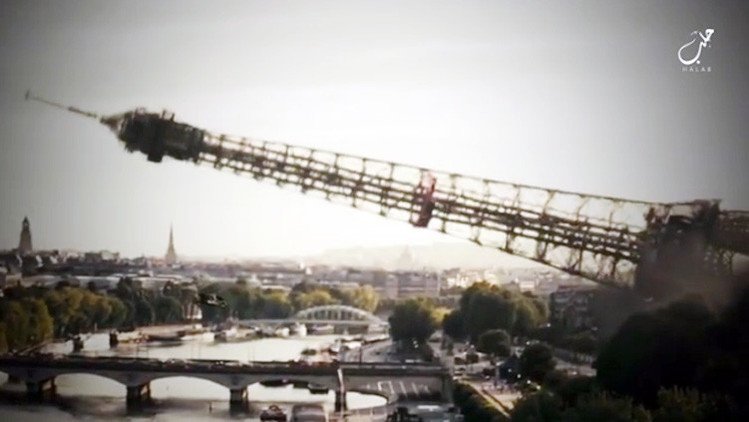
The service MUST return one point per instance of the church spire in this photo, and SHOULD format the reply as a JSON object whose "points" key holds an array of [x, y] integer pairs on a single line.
{"points": [[171, 254], [24, 244]]}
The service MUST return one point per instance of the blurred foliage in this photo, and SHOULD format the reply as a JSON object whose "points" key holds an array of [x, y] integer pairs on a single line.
{"points": [[657, 349], [495, 342], [536, 362], [685, 361]]}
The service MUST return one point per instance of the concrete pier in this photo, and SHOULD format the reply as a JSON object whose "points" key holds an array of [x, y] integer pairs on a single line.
{"points": [[340, 401], [138, 395], [40, 390], [238, 399]]}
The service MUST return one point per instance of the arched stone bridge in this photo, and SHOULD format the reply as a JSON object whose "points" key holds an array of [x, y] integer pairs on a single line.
{"points": [[38, 372]]}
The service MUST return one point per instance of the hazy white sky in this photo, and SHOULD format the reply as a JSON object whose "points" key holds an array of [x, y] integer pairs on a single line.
{"points": [[585, 96]]}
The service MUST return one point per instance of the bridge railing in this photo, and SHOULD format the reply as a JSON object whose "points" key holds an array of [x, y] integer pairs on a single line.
{"points": [[53, 360]]}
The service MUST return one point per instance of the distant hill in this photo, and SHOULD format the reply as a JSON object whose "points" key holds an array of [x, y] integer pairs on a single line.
{"points": [[438, 256]]}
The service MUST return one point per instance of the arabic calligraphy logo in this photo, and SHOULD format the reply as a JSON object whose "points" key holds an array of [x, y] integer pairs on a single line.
{"points": [[704, 41]]}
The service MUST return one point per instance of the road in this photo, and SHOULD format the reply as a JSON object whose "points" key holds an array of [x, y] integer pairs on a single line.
{"points": [[501, 397], [375, 353]]}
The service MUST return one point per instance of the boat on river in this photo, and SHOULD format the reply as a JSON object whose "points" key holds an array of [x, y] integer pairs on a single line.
{"points": [[281, 332], [169, 338], [298, 329], [322, 329]]}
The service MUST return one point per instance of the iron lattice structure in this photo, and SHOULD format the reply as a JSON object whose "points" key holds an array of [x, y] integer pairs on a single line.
{"points": [[601, 238]]}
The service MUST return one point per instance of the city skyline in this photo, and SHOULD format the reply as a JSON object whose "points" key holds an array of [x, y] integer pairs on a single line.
{"points": [[438, 256]]}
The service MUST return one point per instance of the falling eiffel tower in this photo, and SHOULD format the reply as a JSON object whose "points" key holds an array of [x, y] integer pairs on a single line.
{"points": [[612, 241]]}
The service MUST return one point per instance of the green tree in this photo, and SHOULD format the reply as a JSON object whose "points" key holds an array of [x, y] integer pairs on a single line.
{"points": [[129, 313], [167, 309], [41, 324], [56, 306], [412, 320], [452, 325], [488, 309], [144, 314], [689, 405], [127, 289], [244, 303], [604, 407], [658, 349], [118, 313], [473, 406], [102, 308], [69, 307], [527, 316], [365, 297], [3, 340], [581, 343], [275, 305], [536, 362], [495, 342], [485, 307], [570, 389], [16, 320], [315, 297], [89, 310], [537, 407]]}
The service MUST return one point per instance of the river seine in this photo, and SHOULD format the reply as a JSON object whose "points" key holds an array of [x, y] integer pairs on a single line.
{"points": [[95, 398]]}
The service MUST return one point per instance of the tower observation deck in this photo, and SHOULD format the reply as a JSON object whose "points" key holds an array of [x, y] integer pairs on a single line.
{"points": [[609, 240]]}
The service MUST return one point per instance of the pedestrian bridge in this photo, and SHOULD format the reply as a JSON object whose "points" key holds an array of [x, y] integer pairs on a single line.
{"points": [[337, 315]]}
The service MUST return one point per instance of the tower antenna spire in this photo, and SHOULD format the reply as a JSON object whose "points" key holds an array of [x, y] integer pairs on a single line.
{"points": [[32, 97]]}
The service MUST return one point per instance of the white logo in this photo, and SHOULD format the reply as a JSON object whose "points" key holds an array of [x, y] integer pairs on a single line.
{"points": [[704, 41]]}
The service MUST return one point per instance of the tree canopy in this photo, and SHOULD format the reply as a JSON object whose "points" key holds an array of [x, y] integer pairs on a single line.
{"points": [[495, 342], [536, 362], [484, 307], [413, 320], [30, 315], [658, 349]]}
